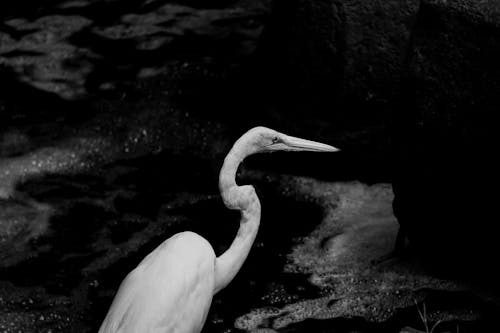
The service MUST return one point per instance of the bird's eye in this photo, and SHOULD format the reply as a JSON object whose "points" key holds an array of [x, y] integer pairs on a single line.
{"points": [[275, 139]]}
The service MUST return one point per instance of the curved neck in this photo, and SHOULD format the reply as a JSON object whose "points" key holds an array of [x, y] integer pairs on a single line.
{"points": [[245, 199], [227, 178]]}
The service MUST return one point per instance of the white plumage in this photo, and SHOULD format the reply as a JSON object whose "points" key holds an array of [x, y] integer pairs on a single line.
{"points": [[170, 290]]}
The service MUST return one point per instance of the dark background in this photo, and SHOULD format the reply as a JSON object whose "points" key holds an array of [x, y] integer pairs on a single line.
{"points": [[113, 93]]}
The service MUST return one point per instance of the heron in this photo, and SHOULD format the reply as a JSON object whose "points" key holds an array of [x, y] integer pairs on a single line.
{"points": [[171, 290]]}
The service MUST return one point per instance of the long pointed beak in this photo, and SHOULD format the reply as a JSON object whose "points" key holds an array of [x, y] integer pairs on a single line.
{"points": [[298, 144]]}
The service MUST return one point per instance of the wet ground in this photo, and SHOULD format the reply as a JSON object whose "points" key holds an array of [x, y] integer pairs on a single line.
{"points": [[313, 266], [115, 120]]}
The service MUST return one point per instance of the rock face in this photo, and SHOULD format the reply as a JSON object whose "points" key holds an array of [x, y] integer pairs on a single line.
{"points": [[430, 68], [447, 181], [339, 52]]}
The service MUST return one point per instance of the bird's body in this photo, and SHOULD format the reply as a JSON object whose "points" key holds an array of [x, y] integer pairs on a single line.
{"points": [[171, 290], [164, 293]]}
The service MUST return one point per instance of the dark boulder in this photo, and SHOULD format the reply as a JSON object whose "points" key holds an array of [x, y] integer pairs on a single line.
{"points": [[447, 177], [341, 54], [428, 70]]}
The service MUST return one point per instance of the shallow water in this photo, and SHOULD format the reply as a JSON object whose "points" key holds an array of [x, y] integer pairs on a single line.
{"points": [[102, 224], [99, 224]]}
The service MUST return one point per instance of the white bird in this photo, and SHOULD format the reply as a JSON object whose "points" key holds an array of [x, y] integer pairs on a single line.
{"points": [[171, 290]]}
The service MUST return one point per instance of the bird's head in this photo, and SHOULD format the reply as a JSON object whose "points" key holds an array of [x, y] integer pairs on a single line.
{"points": [[263, 139]]}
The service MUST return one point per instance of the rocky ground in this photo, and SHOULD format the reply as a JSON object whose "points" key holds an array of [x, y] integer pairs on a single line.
{"points": [[115, 120]]}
